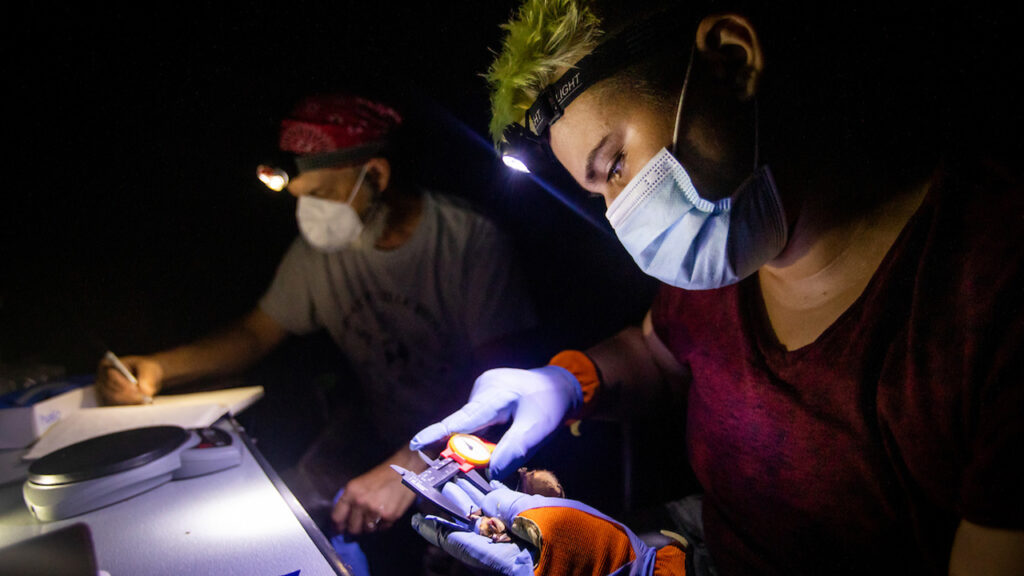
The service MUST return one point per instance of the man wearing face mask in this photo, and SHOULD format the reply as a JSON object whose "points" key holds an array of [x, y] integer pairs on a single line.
{"points": [[415, 288], [840, 300]]}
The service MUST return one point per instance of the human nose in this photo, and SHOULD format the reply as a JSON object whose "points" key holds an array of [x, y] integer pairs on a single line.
{"points": [[610, 192], [296, 189]]}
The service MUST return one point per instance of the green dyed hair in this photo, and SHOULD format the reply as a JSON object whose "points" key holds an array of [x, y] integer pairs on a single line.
{"points": [[543, 38]]}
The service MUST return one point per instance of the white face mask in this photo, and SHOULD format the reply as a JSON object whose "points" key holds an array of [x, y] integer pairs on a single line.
{"points": [[329, 225], [689, 242]]}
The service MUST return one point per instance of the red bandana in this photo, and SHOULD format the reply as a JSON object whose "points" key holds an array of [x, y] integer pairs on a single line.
{"points": [[334, 122]]}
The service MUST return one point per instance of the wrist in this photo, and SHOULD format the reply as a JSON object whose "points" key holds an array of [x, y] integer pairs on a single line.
{"points": [[588, 377], [150, 372], [164, 367], [407, 458]]}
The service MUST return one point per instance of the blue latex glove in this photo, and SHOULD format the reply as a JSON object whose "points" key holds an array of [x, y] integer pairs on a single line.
{"points": [[536, 401], [470, 548], [348, 549], [518, 558]]}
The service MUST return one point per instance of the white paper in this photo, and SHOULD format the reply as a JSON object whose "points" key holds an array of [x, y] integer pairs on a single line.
{"points": [[235, 399], [196, 410]]}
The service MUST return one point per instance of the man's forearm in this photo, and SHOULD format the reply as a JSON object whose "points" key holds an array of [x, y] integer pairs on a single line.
{"points": [[228, 351]]}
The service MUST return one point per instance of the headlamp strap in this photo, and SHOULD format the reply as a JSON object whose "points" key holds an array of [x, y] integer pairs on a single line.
{"points": [[552, 100], [339, 157], [615, 52]]}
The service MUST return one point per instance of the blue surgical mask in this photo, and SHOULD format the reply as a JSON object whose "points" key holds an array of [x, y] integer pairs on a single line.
{"points": [[687, 241]]}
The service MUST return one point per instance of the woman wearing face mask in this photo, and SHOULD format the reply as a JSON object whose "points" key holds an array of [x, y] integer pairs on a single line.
{"points": [[840, 301]]}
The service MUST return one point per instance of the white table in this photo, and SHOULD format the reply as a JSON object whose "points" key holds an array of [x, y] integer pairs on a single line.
{"points": [[242, 520]]}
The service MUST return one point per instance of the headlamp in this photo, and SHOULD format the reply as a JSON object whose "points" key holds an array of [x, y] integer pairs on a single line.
{"points": [[276, 179], [519, 146], [277, 174]]}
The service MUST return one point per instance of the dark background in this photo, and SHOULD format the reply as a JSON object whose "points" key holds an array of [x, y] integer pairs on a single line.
{"points": [[134, 219], [131, 218]]}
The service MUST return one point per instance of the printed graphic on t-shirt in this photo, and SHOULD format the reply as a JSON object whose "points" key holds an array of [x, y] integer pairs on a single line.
{"points": [[380, 329]]}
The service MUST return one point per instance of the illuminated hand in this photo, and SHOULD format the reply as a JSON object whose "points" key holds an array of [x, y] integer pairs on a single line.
{"points": [[114, 388], [551, 536], [376, 499], [479, 551], [537, 401]]}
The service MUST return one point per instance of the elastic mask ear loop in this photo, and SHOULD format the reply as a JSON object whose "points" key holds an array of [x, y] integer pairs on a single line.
{"points": [[679, 107], [757, 134], [359, 184], [679, 116]]}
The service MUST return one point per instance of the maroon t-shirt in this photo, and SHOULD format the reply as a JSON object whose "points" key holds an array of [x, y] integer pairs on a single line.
{"points": [[861, 452]]}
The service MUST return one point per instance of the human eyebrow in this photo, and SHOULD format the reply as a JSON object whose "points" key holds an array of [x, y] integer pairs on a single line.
{"points": [[590, 173]]}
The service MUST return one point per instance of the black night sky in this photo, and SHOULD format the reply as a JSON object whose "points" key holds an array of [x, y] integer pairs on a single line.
{"points": [[134, 219]]}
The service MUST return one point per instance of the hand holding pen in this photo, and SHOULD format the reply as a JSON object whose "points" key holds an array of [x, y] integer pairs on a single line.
{"points": [[130, 387]]}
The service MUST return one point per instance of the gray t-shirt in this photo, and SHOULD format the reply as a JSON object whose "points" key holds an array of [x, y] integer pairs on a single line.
{"points": [[408, 319]]}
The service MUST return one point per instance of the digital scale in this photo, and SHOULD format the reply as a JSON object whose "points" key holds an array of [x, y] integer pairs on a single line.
{"points": [[101, 471]]}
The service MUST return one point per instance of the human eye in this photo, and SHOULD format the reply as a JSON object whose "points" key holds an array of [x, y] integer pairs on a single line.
{"points": [[617, 164]]}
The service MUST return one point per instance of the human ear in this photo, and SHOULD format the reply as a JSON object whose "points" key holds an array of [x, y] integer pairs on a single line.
{"points": [[378, 171], [729, 44]]}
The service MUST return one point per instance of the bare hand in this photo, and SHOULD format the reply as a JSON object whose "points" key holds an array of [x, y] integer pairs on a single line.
{"points": [[114, 388], [377, 499]]}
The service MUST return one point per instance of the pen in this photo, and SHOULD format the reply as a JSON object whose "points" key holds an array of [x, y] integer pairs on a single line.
{"points": [[120, 367]]}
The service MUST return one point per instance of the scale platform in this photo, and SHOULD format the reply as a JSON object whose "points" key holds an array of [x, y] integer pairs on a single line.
{"points": [[101, 471]]}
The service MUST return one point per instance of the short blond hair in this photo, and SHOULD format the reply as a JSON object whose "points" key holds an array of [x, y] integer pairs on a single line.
{"points": [[544, 38]]}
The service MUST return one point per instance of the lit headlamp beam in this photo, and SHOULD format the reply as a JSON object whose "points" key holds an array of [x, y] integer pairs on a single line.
{"points": [[601, 225], [474, 137], [275, 178], [514, 163]]}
